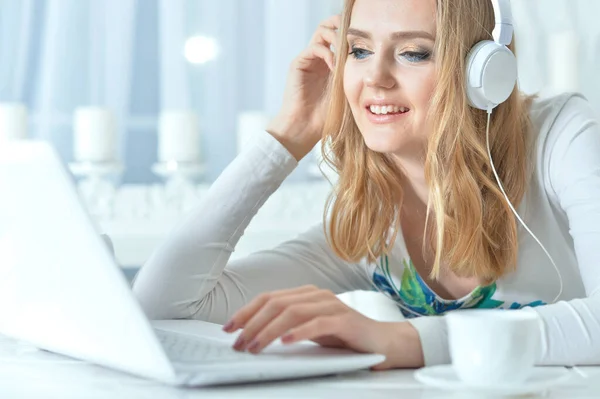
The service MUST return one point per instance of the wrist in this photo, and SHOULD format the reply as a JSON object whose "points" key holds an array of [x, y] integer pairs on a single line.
{"points": [[297, 137], [404, 348]]}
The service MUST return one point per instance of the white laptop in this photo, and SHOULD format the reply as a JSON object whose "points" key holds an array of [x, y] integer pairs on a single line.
{"points": [[61, 290]]}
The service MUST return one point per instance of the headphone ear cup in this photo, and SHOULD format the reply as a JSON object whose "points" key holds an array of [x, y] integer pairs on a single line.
{"points": [[491, 74]]}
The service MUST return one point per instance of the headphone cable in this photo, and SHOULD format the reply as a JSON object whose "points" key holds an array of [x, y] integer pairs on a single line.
{"points": [[487, 137]]}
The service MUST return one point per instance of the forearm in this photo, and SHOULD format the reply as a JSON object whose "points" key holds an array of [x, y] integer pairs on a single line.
{"points": [[183, 270], [570, 333]]}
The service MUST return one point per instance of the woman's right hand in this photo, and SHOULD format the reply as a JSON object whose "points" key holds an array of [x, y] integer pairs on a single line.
{"points": [[299, 124]]}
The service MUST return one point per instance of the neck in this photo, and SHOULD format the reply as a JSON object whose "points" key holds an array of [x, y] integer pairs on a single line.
{"points": [[416, 189]]}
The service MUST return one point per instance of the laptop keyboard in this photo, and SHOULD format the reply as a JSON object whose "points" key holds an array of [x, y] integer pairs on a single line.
{"points": [[190, 349]]}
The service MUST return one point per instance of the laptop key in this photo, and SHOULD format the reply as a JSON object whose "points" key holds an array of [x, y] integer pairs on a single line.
{"points": [[185, 348]]}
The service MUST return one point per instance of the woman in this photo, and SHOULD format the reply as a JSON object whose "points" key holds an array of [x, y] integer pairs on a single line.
{"points": [[416, 213]]}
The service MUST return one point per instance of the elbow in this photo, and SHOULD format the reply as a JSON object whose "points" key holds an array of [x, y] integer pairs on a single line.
{"points": [[157, 306]]}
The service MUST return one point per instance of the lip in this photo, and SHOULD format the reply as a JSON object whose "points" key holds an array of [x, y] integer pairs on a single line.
{"points": [[384, 119]]}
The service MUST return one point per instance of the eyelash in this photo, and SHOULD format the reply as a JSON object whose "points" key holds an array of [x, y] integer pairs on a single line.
{"points": [[411, 56]]}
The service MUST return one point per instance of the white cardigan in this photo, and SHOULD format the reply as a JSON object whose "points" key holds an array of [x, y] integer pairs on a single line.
{"points": [[190, 275]]}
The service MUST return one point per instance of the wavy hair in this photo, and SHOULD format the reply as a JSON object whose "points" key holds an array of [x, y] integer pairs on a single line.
{"points": [[469, 225]]}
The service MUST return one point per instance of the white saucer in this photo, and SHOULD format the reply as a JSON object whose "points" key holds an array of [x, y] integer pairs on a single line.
{"points": [[444, 377]]}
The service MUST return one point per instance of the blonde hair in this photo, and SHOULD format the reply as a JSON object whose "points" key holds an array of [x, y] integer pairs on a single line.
{"points": [[472, 228]]}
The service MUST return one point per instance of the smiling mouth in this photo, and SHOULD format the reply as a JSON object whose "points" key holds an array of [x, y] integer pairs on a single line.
{"points": [[387, 110]]}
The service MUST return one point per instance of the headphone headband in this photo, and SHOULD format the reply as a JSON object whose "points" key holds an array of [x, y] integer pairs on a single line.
{"points": [[503, 31]]}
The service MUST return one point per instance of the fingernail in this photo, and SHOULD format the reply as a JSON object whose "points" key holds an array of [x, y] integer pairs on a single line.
{"points": [[286, 338], [239, 343], [228, 326], [253, 346]]}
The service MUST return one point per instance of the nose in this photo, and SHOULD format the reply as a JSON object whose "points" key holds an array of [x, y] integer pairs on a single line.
{"points": [[379, 74]]}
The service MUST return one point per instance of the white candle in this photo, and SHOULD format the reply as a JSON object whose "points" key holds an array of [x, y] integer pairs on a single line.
{"points": [[95, 135], [13, 121], [563, 62], [178, 137], [249, 124]]}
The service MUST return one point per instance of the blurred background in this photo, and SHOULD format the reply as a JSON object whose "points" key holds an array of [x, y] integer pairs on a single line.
{"points": [[148, 101], [139, 58]]}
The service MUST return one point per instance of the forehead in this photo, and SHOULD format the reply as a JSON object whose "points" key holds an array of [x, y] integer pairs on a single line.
{"points": [[386, 16]]}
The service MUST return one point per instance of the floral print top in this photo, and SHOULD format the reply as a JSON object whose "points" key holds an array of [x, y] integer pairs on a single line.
{"points": [[414, 298]]}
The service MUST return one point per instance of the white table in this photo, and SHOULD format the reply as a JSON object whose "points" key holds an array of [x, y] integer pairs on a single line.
{"points": [[26, 372]]}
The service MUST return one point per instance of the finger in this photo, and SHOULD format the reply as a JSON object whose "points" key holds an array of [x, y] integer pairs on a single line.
{"points": [[327, 32], [292, 317], [317, 327], [325, 36], [313, 52], [272, 309], [332, 23], [239, 318]]}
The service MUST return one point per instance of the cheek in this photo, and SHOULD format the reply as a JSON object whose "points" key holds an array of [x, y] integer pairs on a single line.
{"points": [[421, 88], [352, 85]]}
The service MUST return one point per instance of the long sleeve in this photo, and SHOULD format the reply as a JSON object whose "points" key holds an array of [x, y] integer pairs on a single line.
{"points": [[570, 332], [190, 276]]}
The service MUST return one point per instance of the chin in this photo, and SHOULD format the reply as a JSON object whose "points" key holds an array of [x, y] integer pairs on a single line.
{"points": [[382, 143]]}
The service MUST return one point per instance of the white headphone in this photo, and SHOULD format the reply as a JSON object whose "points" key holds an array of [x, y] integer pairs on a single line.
{"points": [[491, 72], [491, 78]]}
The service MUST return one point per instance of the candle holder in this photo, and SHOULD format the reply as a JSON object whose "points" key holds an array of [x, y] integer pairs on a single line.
{"points": [[180, 180], [97, 184]]}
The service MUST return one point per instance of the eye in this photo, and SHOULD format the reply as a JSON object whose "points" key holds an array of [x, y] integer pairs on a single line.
{"points": [[416, 56], [359, 53]]}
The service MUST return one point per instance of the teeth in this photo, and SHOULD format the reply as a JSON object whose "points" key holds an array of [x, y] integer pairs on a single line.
{"points": [[387, 109]]}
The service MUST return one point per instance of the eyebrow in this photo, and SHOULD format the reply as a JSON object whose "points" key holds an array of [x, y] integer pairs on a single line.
{"points": [[414, 34]]}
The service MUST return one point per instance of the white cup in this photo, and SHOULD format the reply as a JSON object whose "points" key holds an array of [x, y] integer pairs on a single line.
{"points": [[491, 347]]}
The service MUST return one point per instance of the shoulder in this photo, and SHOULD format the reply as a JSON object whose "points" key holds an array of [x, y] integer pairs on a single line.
{"points": [[560, 117], [568, 138]]}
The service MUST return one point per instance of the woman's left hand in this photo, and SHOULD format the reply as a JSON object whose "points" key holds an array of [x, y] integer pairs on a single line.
{"points": [[309, 313]]}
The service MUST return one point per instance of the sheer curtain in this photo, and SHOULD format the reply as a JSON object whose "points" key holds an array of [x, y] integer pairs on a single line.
{"points": [[128, 55], [61, 54]]}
